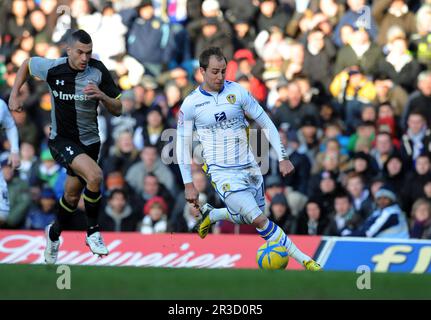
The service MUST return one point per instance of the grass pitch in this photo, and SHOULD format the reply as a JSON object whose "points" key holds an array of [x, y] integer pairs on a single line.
{"points": [[90, 282]]}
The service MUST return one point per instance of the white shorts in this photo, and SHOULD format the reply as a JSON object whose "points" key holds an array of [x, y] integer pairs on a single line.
{"points": [[231, 180]]}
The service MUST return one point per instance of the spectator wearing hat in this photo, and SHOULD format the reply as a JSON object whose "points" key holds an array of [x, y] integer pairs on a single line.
{"points": [[155, 217], [420, 223], [387, 221], [43, 213], [49, 172], [279, 212], [19, 198], [118, 215], [342, 216], [323, 187], [313, 220], [309, 135]]}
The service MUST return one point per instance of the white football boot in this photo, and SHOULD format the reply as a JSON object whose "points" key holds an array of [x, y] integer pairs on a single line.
{"points": [[51, 249], [96, 244]]}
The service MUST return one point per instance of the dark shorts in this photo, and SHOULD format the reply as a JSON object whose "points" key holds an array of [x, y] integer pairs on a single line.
{"points": [[64, 151]]}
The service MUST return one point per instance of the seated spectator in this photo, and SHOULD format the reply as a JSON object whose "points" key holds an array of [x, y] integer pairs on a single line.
{"points": [[363, 164], [295, 200], [420, 224], [343, 216], [420, 100], [155, 217], [118, 214], [413, 187], [359, 51], [398, 64], [122, 155], [387, 221], [44, 213], [150, 162], [387, 92], [19, 198], [388, 13], [281, 215], [416, 140], [361, 197], [352, 90], [362, 140], [383, 149], [312, 221]]}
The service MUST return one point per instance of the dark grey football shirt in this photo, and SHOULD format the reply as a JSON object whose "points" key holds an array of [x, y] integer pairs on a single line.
{"points": [[73, 114]]}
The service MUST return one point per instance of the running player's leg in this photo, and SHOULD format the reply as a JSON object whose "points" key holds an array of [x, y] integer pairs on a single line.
{"points": [[67, 206], [245, 204], [84, 166]]}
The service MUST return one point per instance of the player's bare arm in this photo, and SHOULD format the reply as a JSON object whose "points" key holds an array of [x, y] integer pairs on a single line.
{"points": [[113, 105], [21, 78]]}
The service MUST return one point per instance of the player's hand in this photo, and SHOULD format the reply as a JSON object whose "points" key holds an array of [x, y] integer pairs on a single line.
{"points": [[15, 104], [14, 160], [92, 91], [286, 167], [191, 194]]}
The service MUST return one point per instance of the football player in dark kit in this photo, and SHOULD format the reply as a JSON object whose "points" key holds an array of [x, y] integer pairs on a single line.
{"points": [[77, 84]]}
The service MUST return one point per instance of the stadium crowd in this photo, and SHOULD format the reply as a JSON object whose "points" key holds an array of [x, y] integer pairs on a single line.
{"points": [[347, 83]]}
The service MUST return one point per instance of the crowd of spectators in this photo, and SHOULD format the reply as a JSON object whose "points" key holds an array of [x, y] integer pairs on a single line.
{"points": [[347, 83]]}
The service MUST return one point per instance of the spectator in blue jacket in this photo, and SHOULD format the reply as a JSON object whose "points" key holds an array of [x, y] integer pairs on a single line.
{"points": [[150, 40], [359, 15], [42, 215], [387, 221]]}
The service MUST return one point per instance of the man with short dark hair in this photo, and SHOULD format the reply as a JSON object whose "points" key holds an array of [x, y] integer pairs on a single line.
{"points": [[216, 110], [78, 83]]}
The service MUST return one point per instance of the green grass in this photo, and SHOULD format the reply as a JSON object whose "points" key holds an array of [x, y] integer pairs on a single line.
{"points": [[87, 282]]}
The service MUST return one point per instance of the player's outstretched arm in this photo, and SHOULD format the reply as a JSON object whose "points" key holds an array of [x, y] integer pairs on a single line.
{"points": [[21, 78]]}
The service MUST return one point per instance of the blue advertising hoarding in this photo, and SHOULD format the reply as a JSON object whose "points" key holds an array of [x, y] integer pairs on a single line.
{"points": [[380, 255]]}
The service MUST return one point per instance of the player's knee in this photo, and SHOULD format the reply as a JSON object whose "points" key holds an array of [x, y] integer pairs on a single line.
{"points": [[72, 198], [260, 221], [95, 178]]}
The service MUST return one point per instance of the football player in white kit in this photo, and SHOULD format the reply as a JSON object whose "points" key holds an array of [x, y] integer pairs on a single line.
{"points": [[8, 124], [216, 111]]}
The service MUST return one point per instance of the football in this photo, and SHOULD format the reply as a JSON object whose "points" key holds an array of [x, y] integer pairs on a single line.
{"points": [[272, 256]]}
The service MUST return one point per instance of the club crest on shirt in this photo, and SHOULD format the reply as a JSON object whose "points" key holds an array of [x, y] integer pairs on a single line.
{"points": [[231, 98], [225, 187]]}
